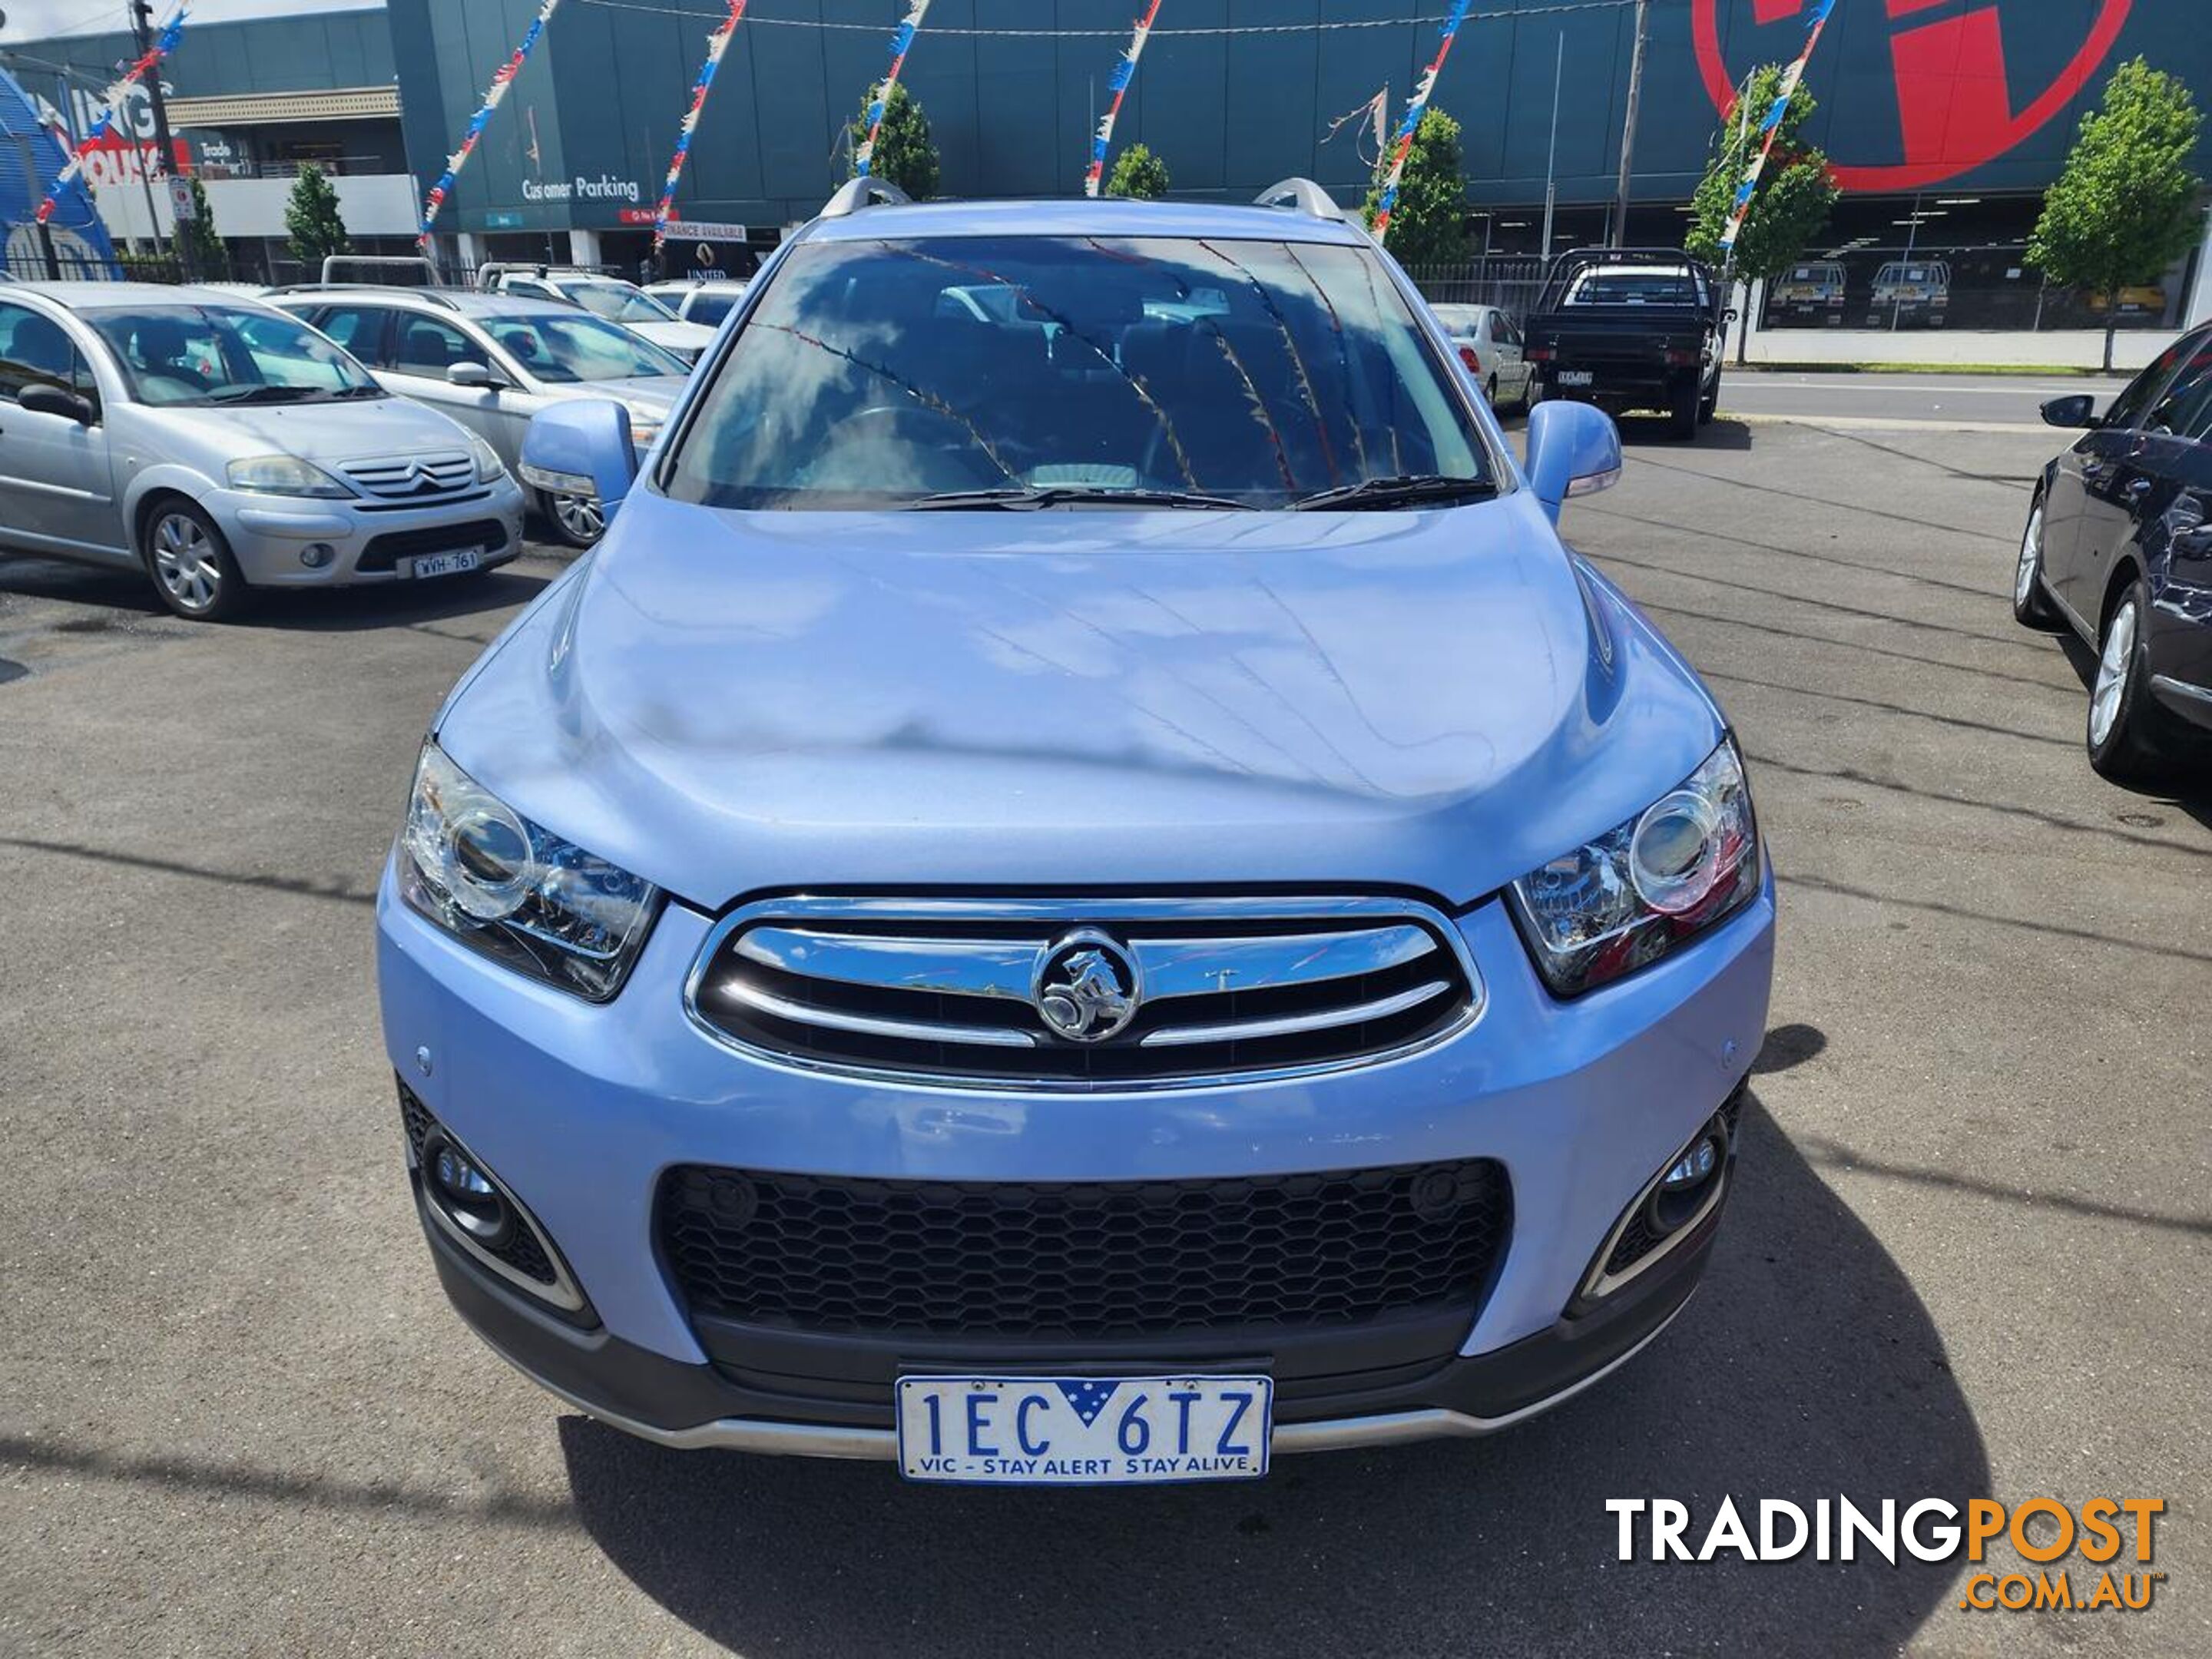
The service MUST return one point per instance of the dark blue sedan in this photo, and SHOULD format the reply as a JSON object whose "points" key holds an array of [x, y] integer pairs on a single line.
{"points": [[2118, 547]]}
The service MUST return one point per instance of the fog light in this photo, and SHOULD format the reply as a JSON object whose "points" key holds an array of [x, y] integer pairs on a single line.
{"points": [[468, 1195], [316, 555], [1695, 1166]]}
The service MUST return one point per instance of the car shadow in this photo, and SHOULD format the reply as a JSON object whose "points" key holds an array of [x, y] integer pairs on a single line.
{"points": [[1805, 1367], [1721, 432]]}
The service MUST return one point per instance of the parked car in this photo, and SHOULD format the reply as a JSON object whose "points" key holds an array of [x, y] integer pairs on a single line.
{"points": [[1908, 291], [1814, 289], [2118, 547], [1490, 345], [610, 297], [1070, 907], [493, 361], [1632, 328], [706, 302], [213, 442]]}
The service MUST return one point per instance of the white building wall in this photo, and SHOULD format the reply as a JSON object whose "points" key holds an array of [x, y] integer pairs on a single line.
{"points": [[373, 204]]}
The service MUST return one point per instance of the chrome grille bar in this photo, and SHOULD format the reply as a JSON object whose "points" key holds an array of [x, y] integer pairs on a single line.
{"points": [[1083, 994]]}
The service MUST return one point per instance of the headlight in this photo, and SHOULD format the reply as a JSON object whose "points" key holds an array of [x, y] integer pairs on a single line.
{"points": [[284, 475], [1630, 896], [490, 468], [515, 890]]}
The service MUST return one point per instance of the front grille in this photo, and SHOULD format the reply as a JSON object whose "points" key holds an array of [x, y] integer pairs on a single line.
{"points": [[413, 477], [1174, 992], [1103, 1259], [385, 552]]}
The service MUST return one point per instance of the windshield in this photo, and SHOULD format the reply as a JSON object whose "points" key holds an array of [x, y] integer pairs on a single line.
{"points": [[205, 355], [1632, 288], [1256, 372], [710, 309], [568, 349], [616, 302]]}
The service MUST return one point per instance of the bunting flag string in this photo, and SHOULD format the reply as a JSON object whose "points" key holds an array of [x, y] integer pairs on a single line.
{"points": [[1769, 127], [73, 169], [500, 81], [901, 42], [1124, 72], [1416, 106], [717, 44]]}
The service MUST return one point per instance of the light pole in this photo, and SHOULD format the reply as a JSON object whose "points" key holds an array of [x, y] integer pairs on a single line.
{"points": [[1628, 126], [141, 30]]}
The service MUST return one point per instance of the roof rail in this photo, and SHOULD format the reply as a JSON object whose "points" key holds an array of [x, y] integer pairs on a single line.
{"points": [[436, 296], [856, 193], [1300, 196]]}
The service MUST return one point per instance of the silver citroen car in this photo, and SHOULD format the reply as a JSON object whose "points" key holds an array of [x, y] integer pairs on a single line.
{"points": [[493, 361], [220, 446]]}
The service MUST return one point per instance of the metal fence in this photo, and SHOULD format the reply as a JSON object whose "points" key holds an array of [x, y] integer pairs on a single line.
{"points": [[25, 259], [1510, 282]]}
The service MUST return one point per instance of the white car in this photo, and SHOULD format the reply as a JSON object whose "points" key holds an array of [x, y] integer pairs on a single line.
{"points": [[706, 301], [1489, 343], [608, 297]]}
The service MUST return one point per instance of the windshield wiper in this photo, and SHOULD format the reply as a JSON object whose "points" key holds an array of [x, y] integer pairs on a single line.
{"points": [[267, 394], [1400, 492], [370, 390], [1023, 498]]}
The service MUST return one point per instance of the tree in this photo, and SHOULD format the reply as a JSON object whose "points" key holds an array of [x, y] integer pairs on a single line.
{"points": [[1429, 225], [2124, 207], [1795, 193], [1138, 173], [904, 155], [318, 229], [210, 253]]}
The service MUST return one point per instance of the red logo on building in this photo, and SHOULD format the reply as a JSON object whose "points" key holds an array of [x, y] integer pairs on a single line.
{"points": [[1956, 106]]}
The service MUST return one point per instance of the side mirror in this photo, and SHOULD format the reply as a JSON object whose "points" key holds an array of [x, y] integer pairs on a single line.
{"points": [[1574, 449], [475, 374], [44, 399], [2075, 408], [581, 448]]}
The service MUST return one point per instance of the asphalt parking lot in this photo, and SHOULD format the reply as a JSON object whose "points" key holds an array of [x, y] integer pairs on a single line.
{"points": [[1968, 1257]]}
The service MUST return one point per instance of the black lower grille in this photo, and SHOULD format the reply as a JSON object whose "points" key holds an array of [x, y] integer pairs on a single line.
{"points": [[1082, 1260], [385, 551]]}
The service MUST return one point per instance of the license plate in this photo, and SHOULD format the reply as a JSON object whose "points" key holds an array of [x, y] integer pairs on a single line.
{"points": [[1574, 377], [445, 564], [1084, 1430]]}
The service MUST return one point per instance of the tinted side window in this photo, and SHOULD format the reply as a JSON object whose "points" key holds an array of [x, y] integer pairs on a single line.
{"points": [[35, 351], [427, 347], [2129, 409], [2183, 400], [361, 331]]}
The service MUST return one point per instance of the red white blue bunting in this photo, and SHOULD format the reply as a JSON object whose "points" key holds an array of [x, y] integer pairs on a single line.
{"points": [[1790, 78], [501, 81], [1416, 106], [901, 42], [717, 44], [73, 169], [1124, 72]]}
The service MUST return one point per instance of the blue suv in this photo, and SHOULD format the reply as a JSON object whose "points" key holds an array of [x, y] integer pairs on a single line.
{"points": [[1082, 890]]}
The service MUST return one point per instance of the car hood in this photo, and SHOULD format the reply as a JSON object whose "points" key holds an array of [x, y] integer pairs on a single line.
{"points": [[321, 432], [657, 392], [676, 334], [1438, 700]]}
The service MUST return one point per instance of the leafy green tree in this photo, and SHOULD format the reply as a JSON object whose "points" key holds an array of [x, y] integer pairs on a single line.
{"points": [[1429, 225], [1795, 193], [2125, 207], [904, 155], [1139, 173], [317, 228], [210, 253]]}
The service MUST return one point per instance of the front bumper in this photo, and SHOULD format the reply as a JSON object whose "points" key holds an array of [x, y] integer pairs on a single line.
{"points": [[369, 542], [580, 1110]]}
